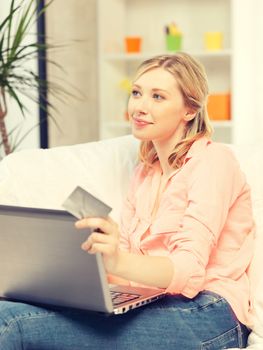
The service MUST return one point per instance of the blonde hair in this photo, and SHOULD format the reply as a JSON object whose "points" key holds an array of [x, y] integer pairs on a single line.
{"points": [[192, 81]]}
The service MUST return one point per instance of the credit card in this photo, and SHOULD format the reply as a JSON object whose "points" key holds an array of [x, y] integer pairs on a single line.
{"points": [[83, 204]]}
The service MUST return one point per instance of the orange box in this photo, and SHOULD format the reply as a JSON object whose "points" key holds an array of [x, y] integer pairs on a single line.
{"points": [[218, 106], [132, 44]]}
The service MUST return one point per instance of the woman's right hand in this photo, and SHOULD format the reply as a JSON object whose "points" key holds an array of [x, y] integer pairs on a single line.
{"points": [[106, 241]]}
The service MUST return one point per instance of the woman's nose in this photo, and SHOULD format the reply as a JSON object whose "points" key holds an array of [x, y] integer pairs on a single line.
{"points": [[142, 105]]}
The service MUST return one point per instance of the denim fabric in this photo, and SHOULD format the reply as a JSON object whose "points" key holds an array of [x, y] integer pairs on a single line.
{"points": [[174, 322]]}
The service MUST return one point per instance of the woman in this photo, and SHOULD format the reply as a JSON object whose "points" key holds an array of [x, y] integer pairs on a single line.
{"points": [[186, 227]]}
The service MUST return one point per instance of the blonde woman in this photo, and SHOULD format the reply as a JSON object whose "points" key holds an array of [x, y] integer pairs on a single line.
{"points": [[186, 227]]}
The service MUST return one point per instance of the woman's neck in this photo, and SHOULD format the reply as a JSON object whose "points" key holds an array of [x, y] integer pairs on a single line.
{"points": [[164, 150]]}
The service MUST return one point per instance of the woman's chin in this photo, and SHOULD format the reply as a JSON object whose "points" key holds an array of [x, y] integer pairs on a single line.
{"points": [[140, 135]]}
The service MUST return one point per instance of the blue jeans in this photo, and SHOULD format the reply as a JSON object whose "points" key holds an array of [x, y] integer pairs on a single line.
{"points": [[174, 322]]}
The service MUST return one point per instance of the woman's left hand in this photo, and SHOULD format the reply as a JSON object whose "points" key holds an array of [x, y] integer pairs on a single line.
{"points": [[106, 242]]}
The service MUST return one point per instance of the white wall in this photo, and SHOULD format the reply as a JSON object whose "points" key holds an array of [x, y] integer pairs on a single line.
{"points": [[247, 41], [14, 116], [248, 71], [76, 32]]}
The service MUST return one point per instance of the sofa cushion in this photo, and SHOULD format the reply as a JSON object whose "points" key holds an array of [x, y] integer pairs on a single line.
{"points": [[44, 178]]}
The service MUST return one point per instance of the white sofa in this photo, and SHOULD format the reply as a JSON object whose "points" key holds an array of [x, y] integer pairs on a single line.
{"points": [[44, 178]]}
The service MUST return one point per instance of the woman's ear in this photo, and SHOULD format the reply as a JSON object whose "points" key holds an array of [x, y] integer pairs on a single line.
{"points": [[189, 116]]}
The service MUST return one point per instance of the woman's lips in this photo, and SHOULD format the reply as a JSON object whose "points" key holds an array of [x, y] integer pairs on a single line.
{"points": [[140, 122]]}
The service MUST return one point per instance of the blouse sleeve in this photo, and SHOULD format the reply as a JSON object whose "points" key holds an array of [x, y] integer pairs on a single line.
{"points": [[213, 185]]}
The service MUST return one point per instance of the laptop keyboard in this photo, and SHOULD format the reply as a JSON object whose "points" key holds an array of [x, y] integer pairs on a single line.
{"points": [[120, 297]]}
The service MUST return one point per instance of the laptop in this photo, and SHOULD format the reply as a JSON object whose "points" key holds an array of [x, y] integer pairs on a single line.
{"points": [[42, 262]]}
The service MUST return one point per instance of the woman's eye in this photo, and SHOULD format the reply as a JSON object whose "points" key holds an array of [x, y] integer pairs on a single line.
{"points": [[158, 97], [135, 93]]}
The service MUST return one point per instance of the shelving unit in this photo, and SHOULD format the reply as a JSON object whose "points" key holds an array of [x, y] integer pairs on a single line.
{"points": [[147, 19]]}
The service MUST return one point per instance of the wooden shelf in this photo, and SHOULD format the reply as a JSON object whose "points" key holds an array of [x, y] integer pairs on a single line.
{"points": [[122, 56], [222, 123]]}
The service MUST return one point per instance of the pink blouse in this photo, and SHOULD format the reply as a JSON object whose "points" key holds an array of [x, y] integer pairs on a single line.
{"points": [[204, 224]]}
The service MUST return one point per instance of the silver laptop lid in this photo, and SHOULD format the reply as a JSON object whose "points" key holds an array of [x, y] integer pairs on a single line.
{"points": [[41, 260]]}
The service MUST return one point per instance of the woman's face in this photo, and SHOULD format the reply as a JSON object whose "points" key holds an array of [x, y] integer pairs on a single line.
{"points": [[156, 107]]}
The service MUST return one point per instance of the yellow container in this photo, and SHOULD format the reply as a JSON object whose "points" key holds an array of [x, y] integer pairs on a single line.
{"points": [[213, 41]]}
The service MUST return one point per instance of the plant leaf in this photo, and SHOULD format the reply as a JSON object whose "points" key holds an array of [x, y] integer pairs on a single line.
{"points": [[13, 94], [15, 76]]}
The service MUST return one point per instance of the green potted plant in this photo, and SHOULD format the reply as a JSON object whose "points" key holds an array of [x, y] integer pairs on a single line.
{"points": [[16, 78]]}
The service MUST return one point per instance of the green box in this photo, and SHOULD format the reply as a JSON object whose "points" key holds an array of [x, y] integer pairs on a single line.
{"points": [[173, 42]]}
